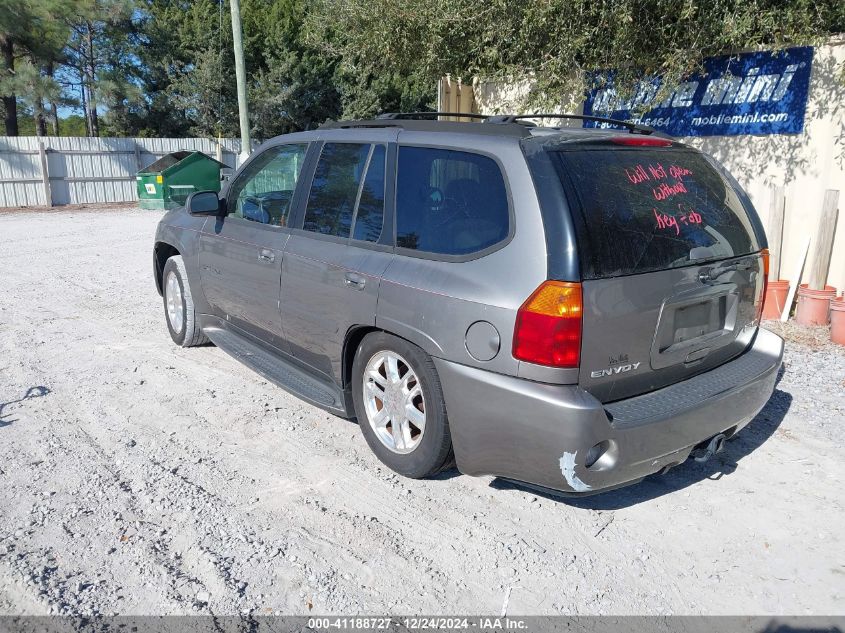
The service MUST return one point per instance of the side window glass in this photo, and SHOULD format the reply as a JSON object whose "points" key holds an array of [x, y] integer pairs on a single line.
{"points": [[370, 215], [334, 190], [449, 202], [264, 190]]}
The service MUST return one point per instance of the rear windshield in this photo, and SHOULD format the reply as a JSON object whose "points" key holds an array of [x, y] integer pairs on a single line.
{"points": [[639, 210]]}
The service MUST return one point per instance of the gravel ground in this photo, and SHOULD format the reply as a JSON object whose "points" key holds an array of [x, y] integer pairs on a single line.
{"points": [[140, 478]]}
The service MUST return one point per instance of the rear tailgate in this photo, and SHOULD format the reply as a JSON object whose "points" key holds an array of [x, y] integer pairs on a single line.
{"points": [[671, 265]]}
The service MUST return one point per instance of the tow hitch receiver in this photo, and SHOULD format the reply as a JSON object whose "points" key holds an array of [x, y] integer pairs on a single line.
{"points": [[716, 444]]}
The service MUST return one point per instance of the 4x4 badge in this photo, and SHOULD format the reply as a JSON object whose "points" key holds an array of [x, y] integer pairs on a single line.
{"points": [[621, 369]]}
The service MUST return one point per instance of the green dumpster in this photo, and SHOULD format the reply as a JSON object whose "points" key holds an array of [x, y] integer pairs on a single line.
{"points": [[169, 181]]}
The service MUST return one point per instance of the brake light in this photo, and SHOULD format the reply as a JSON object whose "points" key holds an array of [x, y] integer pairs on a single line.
{"points": [[641, 141], [764, 254], [548, 326]]}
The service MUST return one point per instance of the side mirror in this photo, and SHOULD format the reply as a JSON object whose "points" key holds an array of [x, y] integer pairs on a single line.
{"points": [[203, 203]]}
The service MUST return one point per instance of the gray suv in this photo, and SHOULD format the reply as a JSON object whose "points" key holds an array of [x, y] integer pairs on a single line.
{"points": [[568, 308]]}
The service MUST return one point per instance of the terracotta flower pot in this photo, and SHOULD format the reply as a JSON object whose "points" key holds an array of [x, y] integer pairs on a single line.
{"points": [[837, 320], [814, 305], [776, 292]]}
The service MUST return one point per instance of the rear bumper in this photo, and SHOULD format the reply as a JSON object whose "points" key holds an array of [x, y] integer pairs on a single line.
{"points": [[541, 434]]}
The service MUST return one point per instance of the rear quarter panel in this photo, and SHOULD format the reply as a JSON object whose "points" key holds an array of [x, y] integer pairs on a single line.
{"points": [[433, 302]]}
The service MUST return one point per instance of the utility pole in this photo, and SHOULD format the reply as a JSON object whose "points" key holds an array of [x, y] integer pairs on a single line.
{"points": [[240, 77]]}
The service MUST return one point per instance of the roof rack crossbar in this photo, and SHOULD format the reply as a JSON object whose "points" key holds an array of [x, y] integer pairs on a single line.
{"points": [[633, 128], [419, 115]]}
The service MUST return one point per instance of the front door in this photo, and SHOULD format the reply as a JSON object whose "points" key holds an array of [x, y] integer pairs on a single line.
{"points": [[333, 264], [240, 255]]}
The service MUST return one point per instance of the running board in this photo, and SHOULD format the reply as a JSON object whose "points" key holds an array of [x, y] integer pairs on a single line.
{"points": [[278, 370]]}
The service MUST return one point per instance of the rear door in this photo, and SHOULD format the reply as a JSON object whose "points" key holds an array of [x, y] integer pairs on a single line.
{"points": [[335, 258], [671, 265]]}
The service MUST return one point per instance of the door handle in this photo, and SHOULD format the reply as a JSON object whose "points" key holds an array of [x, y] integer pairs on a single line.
{"points": [[266, 255], [354, 280]]}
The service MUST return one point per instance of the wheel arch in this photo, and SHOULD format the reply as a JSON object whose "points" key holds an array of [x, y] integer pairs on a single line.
{"points": [[162, 251], [356, 334], [353, 339]]}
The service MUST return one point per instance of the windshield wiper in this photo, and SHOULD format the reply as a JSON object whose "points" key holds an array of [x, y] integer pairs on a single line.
{"points": [[710, 275]]}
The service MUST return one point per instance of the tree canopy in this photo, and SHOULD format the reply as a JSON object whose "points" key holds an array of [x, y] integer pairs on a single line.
{"points": [[557, 43], [166, 68]]}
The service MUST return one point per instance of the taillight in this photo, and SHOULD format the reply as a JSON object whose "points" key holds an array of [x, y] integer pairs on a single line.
{"points": [[548, 326], [641, 141], [764, 254]]}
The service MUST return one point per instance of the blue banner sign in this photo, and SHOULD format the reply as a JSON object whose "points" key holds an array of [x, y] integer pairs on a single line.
{"points": [[749, 93]]}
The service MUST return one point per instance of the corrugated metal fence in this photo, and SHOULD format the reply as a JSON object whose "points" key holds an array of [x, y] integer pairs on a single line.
{"points": [[52, 170]]}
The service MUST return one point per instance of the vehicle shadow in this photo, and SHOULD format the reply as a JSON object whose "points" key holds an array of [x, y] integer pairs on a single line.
{"points": [[444, 475], [32, 392], [815, 625], [749, 439]]}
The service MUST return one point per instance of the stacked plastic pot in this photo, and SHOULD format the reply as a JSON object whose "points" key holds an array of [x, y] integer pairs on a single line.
{"points": [[821, 307], [837, 319], [776, 294]]}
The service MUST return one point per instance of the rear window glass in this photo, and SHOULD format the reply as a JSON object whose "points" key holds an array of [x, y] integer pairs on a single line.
{"points": [[449, 202], [642, 210]]}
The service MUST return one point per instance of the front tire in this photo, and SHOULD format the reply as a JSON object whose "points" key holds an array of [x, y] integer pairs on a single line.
{"points": [[179, 305], [400, 407]]}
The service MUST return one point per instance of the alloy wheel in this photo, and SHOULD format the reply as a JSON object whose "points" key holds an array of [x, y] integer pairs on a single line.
{"points": [[175, 306], [394, 402]]}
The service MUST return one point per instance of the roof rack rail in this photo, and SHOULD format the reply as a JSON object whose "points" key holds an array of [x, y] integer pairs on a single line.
{"points": [[633, 128], [419, 115], [425, 124]]}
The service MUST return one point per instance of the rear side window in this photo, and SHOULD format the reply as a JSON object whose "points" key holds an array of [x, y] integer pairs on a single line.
{"points": [[334, 190], [370, 215], [642, 210], [449, 202]]}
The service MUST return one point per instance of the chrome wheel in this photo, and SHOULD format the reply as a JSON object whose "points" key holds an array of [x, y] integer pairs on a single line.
{"points": [[175, 307], [394, 402]]}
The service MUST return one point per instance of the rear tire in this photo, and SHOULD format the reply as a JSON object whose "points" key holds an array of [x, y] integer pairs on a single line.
{"points": [[179, 310], [395, 380]]}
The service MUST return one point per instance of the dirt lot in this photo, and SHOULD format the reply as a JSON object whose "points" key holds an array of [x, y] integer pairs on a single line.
{"points": [[137, 477]]}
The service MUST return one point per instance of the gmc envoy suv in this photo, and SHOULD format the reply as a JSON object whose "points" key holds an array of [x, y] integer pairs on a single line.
{"points": [[569, 308]]}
